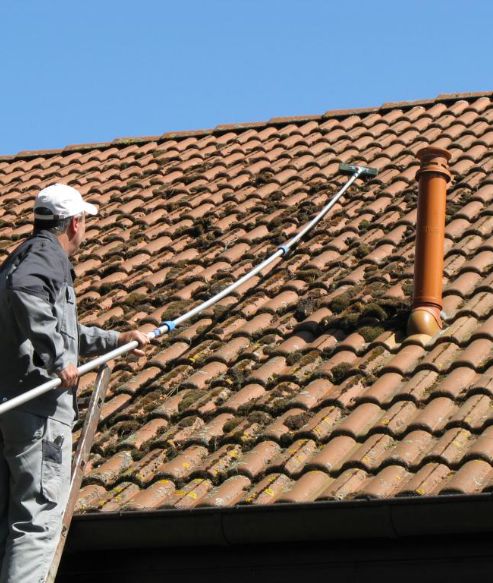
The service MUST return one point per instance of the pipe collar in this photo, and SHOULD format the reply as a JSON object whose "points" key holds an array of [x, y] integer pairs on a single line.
{"points": [[434, 160], [424, 320]]}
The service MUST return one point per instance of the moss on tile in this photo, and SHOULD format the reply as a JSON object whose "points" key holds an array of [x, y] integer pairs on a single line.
{"points": [[362, 250], [232, 424], [263, 177], [374, 310], [189, 399], [175, 309], [340, 372], [125, 428], [342, 302], [260, 417], [188, 421], [294, 422], [305, 307], [369, 333], [293, 358], [408, 287]]}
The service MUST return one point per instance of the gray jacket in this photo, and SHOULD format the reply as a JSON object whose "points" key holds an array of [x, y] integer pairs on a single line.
{"points": [[40, 334]]}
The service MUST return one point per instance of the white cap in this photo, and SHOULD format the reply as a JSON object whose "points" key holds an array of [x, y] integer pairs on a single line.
{"points": [[61, 201]]}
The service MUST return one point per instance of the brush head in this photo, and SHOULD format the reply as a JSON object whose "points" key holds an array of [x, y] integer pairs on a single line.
{"points": [[364, 171]]}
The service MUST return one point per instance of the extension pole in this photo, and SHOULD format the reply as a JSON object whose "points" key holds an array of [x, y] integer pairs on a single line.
{"points": [[283, 250]]}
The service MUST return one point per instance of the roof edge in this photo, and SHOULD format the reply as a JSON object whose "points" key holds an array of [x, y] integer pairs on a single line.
{"points": [[278, 523], [224, 128]]}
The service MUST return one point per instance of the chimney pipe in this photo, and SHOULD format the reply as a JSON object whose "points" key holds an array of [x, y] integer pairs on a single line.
{"points": [[433, 176]]}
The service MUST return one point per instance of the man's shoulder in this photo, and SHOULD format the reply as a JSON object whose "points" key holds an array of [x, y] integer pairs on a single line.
{"points": [[39, 259]]}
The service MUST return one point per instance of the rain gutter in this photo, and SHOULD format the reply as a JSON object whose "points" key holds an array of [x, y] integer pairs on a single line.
{"points": [[395, 518]]}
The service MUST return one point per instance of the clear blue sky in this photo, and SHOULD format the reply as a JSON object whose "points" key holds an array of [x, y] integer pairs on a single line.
{"points": [[94, 70]]}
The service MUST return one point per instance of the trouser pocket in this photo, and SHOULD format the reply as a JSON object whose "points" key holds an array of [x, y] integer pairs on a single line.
{"points": [[51, 469]]}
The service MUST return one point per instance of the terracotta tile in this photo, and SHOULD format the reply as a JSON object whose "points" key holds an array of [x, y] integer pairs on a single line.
{"points": [[203, 377], [331, 456], [456, 228], [386, 483], [143, 470], [155, 496], [435, 415], [360, 421], [344, 358], [90, 497], [455, 384], [485, 330], [451, 448], [119, 496], [384, 388], [476, 354], [460, 330], [320, 426], [418, 387], [427, 481], [169, 354], [409, 451], [181, 467], [485, 193], [441, 357], [471, 478], [279, 430], [296, 343], [397, 419], [371, 453], [141, 380], [451, 304], [308, 488], [405, 361], [228, 493], [268, 371], [219, 463], [474, 412], [268, 490], [483, 382], [292, 460], [149, 431], [209, 433], [108, 472], [114, 405], [345, 486], [255, 462], [248, 394], [348, 393], [256, 325], [183, 433]]}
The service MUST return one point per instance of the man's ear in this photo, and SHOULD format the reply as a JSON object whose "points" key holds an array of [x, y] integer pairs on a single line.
{"points": [[73, 226]]}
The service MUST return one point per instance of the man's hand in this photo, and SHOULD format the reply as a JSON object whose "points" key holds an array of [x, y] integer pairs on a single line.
{"points": [[69, 376], [126, 337]]}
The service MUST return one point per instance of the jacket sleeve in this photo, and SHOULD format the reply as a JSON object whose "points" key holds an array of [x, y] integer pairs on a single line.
{"points": [[37, 323], [94, 340]]}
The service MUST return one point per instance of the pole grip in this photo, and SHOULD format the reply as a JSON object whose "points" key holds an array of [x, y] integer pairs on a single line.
{"points": [[54, 383]]}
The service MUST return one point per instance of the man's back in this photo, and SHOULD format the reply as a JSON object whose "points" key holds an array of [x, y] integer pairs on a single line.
{"points": [[38, 322]]}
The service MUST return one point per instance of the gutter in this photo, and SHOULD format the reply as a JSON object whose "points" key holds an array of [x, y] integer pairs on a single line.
{"points": [[395, 518]]}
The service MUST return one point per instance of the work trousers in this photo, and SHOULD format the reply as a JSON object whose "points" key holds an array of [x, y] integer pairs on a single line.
{"points": [[35, 460]]}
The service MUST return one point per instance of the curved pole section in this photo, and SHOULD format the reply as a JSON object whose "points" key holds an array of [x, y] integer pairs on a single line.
{"points": [[170, 325]]}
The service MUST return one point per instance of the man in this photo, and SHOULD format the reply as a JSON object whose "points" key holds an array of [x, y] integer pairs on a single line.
{"points": [[40, 338]]}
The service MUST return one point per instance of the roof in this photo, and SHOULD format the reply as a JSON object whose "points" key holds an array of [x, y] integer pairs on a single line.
{"points": [[300, 387]]}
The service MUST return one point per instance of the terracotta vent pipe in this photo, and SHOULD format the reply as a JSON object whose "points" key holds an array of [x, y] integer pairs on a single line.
{"points": [[433, 177]]}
